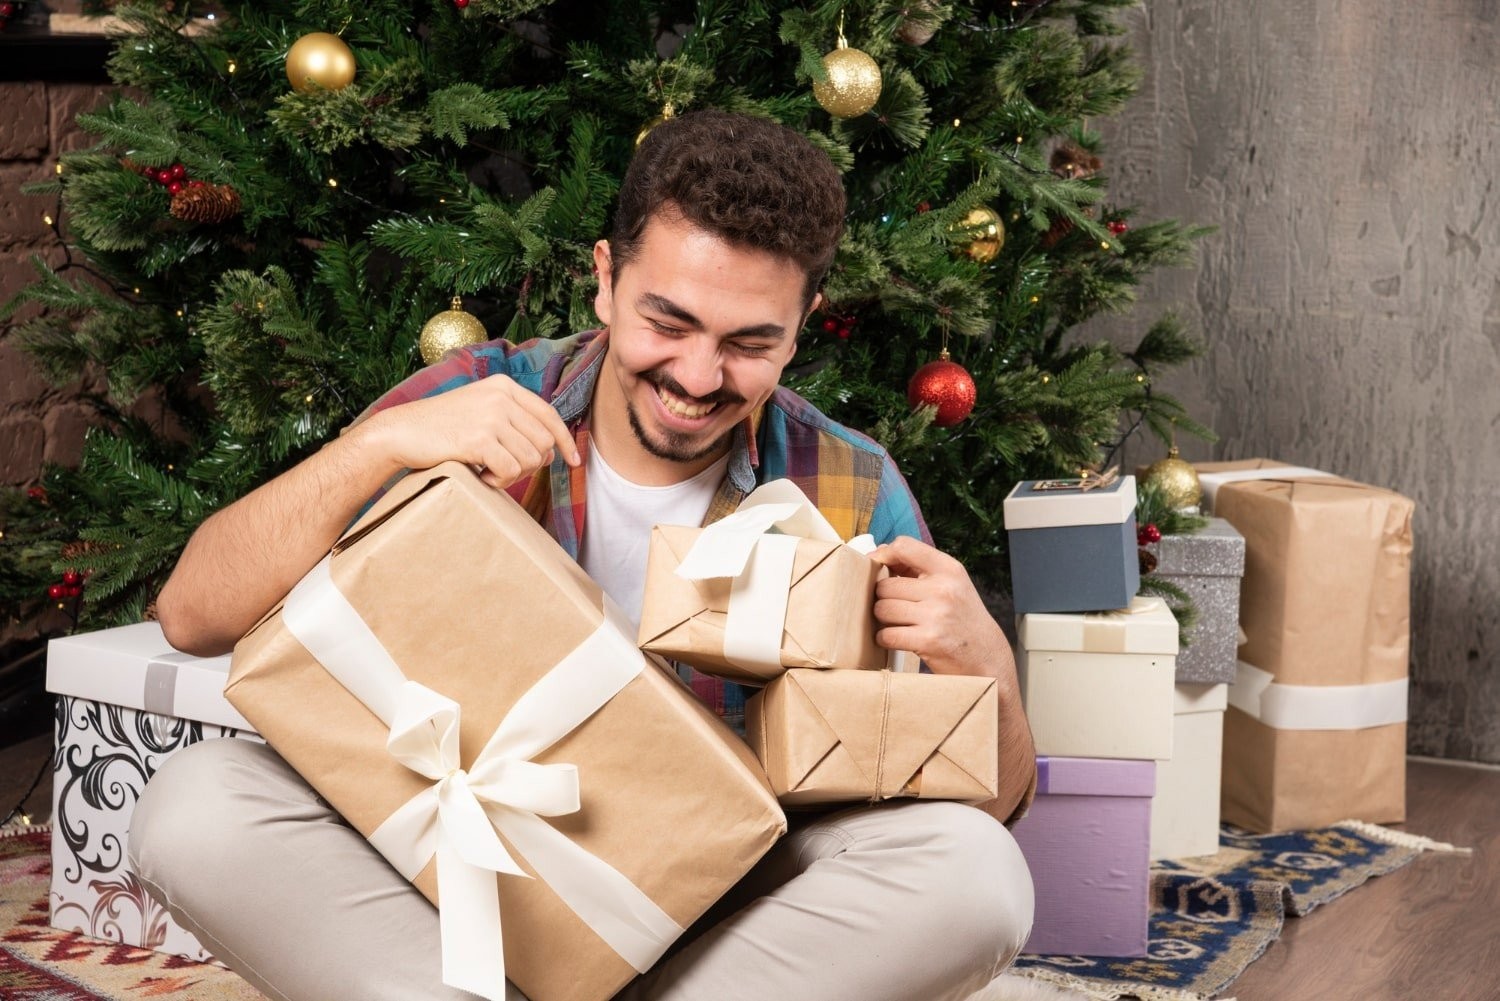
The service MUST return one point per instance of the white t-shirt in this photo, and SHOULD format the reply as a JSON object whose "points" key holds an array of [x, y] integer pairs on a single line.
{"points": [[618, 522]]}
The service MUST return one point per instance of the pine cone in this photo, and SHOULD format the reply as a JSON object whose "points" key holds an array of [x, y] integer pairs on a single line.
{"points": [[73, 550], [131, 165], [148, 614], [1147, 560], [1071, 162], [211, 203], [1061, 227]]}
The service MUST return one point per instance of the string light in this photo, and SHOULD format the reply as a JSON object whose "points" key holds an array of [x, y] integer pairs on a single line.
{"points": [[307, 398], [47, 218], [1140, 378], [1020, 140], [59, 167], [232, 66], [136, 290], [1036, 298], [179, 314], [1046, 378], [957, 122], [1103, 244], [333, 183]]}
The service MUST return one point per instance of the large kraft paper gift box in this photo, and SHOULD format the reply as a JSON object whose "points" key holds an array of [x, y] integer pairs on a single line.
{"points": [[772, 586], [862, 736], [447, 590], [126, 702], [1085, 840], [1316, 726]]}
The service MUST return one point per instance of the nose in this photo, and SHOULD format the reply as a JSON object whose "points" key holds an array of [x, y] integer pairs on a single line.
{"points": [[700, 370]]}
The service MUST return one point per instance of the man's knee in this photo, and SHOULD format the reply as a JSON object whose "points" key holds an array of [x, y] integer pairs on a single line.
{"points": [[187, 812], [987, 882]]}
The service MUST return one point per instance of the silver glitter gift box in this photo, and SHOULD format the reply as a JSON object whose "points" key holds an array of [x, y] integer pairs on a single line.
{"points": [[1207, 565]]}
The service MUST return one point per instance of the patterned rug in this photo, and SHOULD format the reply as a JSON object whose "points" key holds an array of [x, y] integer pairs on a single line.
{"points": [[1212, 916], [40, 963]]}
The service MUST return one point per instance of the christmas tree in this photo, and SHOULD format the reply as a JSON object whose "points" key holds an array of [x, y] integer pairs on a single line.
{"points": [[291, 190]]}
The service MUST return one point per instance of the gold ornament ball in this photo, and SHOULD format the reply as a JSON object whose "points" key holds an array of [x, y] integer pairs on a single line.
{"points": [[1176, 479], [319, 60], [983, 233], [452, 328], [853, 84]]}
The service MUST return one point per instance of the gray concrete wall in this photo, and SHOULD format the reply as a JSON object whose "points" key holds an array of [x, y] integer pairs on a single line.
{"points": [[1348, 150]]}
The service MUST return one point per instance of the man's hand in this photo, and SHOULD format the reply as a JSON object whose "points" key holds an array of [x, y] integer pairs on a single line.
{"points": [[503, 430], [930, 606]]}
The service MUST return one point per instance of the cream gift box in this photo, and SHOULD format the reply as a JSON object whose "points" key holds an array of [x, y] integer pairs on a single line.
{"points": [[1100, 685], [1072, 549], [456, 687], [1085, 840], [126, 703], [1316, 726], [1185, 812], [863, 736]]}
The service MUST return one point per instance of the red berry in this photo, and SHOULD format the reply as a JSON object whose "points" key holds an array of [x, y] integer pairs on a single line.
{"points": [[1147, 534], [36, 493], [923, 207], [74, 591], [844, 333], [1117, 226], [174, 187], [72, 577], [7, 9], [460, 4], [56, 591], [830, 325], [178, 171], [196, 184]]}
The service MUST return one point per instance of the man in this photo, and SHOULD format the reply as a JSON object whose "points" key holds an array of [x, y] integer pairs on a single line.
{"points": [[725, 229]]}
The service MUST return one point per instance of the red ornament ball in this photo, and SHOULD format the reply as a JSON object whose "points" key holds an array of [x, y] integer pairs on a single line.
{"points": [[946, 385], [1147, 533], [56, 591]]}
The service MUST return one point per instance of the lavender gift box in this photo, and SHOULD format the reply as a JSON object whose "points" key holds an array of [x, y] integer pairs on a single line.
{"points": [[1086, 840], [126, 703], [1072, 550]]}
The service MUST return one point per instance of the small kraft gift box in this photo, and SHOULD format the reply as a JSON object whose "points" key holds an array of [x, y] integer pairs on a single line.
{"points": [[1100, 684], [1072, 544], [862, 736], [126, 703], [1315, 731], [1185, 812], [473, 704], [1085, 840], [1208, 565], [766, 588]]}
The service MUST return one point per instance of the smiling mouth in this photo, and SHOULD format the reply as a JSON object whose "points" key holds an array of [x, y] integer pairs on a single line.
{"points": [[681, 407]]}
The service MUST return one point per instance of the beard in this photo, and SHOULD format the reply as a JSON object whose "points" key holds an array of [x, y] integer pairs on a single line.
{"points": [[679, 446]]}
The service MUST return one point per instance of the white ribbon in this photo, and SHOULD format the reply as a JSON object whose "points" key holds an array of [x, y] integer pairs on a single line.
{"points": [[741, 546], [1211, 482], [460, 816], [1118, 631], [1258, 694]]}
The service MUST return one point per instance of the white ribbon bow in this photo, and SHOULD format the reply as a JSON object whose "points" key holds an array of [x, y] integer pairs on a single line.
{"points": [[741, 546], [460, 817]]}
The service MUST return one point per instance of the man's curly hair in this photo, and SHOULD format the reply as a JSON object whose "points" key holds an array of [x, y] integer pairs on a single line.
{"points": [[749, 180]]}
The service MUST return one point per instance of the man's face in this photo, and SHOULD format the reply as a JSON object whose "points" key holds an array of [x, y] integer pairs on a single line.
{"points": [[699, 332]]}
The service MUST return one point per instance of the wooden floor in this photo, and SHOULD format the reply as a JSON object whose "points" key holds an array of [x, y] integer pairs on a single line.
{"points": [[1428, 932]]}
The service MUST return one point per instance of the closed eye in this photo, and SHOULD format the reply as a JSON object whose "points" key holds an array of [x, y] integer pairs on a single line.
{"points": [[752, 350]]}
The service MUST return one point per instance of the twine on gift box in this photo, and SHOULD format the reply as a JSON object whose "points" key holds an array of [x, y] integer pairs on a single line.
{"points": [[885, 716]]}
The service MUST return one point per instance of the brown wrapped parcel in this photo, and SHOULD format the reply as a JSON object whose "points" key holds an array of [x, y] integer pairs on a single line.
{"points": [[861, 736]]}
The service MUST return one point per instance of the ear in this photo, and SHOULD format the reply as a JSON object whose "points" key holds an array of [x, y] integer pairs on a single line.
{"points": [[604, 299]]}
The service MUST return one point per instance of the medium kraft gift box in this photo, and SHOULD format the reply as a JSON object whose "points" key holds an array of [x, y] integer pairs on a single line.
{"points": [[1315, 731], [126, 702], [827, 592], [472, 599], [862, 736]]}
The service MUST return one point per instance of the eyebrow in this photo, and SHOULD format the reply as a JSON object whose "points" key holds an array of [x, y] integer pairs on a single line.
{"points": [[650, 301]]}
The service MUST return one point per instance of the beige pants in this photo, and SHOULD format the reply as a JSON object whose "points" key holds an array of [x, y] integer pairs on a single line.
{"points": [[906, 901]]}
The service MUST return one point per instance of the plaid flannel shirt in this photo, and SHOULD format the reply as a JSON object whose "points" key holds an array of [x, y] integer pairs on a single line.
{"points": [[849, 478]]}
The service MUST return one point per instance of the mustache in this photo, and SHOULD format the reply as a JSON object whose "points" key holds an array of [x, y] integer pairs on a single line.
{"points": [[662, 380]]}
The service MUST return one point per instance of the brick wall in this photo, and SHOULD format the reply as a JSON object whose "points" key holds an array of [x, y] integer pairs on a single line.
{"points": [[39, 422]]}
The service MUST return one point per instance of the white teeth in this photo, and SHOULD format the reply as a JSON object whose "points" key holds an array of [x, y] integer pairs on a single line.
{"points": [[681, 408]]}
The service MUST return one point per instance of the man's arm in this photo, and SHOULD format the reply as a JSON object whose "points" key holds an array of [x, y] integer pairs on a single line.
{"points": [[247, 556], [930, 606]]}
